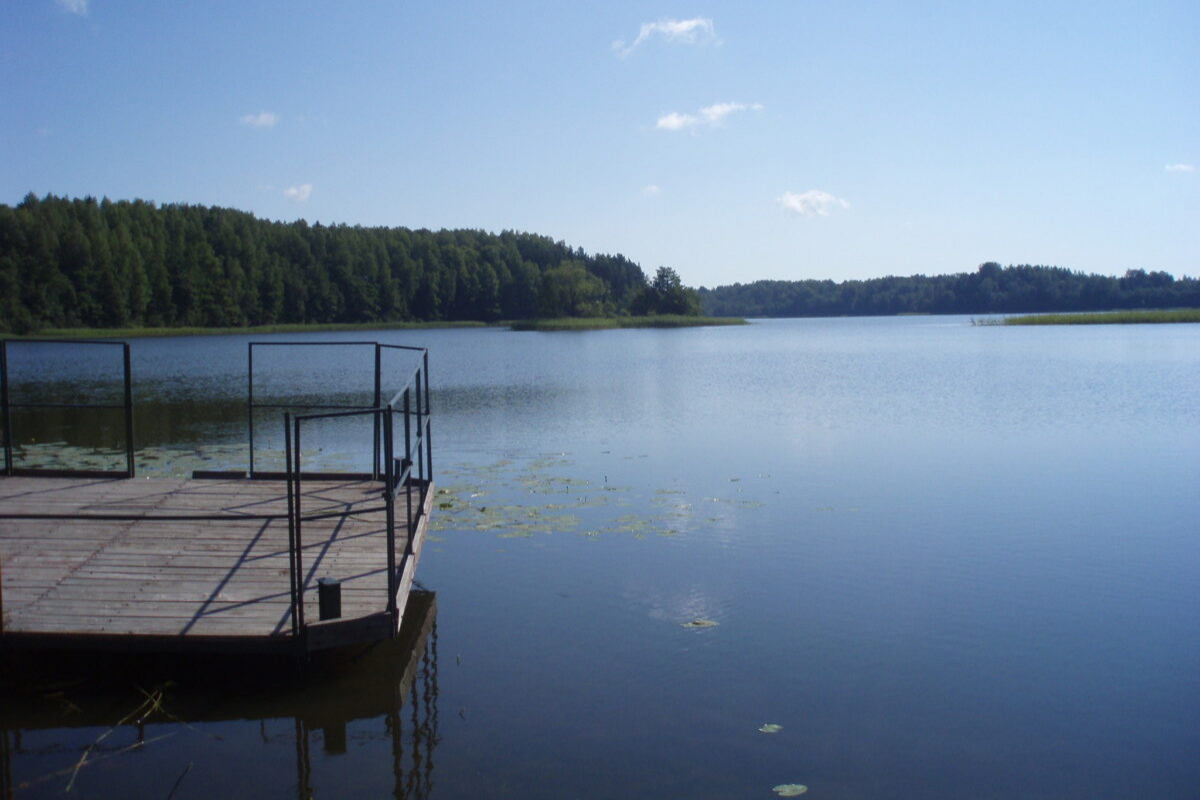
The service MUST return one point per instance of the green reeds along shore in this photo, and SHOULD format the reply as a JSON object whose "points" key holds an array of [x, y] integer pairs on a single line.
{"points": [[606, 323], [1098, 318]]}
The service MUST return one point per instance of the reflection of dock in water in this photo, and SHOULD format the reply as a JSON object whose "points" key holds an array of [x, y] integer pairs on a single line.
{"points": [[382, 697]]}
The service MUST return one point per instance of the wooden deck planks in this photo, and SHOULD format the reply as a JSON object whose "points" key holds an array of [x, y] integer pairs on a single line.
{"points": [[195, 558]]}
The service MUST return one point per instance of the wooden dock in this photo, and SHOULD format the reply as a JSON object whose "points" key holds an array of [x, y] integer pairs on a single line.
{"points": [[202, 565]]}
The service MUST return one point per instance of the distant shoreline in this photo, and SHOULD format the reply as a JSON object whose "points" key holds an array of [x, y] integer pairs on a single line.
{"points": [[562, 324], [610, 323]]}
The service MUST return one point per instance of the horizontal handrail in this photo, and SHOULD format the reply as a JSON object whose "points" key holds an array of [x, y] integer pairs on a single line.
{"points": [[313, 344], [98, 406], [356, 412], [68, 341], [313, 405]]}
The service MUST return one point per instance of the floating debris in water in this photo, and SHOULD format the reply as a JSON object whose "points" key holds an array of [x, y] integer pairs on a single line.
{"points": [[790, 789], [700, 623], [771, 727]]}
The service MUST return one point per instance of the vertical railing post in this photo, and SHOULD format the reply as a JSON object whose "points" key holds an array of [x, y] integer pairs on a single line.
{"points": [[389, 470], [5, 410], [298, 546], [129, 444], [407, 435], [378, 402], [427, 432], [408, 463], [291, 506], [420, 425], [250, 403]]}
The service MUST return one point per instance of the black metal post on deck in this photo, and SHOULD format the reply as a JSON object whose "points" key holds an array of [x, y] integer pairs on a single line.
{"points": [[299, 544], [408, 528], [378, 400], [389, 470], [291, 502], [426, 431], [129, 465], [4, 408], [250, 405]]}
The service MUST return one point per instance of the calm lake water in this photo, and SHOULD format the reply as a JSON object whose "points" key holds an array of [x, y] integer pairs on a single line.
{"points": [[949, 561]]}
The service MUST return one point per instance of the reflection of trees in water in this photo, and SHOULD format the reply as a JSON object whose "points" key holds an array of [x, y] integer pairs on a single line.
{"points": [[393, 685]]}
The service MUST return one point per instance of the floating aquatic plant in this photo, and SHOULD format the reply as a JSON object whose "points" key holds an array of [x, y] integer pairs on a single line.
{"points": [[771, 727]]}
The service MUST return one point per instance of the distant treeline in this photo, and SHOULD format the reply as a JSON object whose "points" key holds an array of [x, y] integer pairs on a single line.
{"points": [[68, 263], [991, 289]]}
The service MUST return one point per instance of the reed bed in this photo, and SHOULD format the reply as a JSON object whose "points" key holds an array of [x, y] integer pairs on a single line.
{"points": [[1099, 318]]}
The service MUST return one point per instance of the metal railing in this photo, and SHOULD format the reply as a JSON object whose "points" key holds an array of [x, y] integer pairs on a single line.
{"points": [[7, 405], [420, 387], [409, 473]]}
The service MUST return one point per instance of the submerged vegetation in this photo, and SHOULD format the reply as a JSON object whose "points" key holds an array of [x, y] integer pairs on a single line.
{"points": [[1102, 318]]}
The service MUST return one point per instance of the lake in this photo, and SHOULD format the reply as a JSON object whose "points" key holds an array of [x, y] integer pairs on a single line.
{"points": [[947, 561]]}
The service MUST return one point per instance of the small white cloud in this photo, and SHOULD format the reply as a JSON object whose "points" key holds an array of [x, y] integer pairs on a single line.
{"points": [[813, 203], [676, 121], [712, 116], [263, 119], [718, 111], [298, 193], [677, 31], [652, 190], [79, 7], [1180, 168]]}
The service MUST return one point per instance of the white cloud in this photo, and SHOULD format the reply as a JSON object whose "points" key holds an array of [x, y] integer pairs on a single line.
{"points": [[1180, 168], [676, 121], [652, 190], [711, 116], [682, 31], [263, 119], [298, 193], [718, 111], [79, 7], [813, 203]]}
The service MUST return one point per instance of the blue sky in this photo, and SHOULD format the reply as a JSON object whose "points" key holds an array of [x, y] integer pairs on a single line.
{"points": [[731, 141]]}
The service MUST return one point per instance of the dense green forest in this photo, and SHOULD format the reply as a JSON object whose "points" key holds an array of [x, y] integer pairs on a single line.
{"points": [[83, 263], [103, 264], [991, 289]]}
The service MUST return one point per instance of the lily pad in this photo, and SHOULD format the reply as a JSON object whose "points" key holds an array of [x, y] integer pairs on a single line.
{"points": [[771, 727], [790, 789], [700, 623]]}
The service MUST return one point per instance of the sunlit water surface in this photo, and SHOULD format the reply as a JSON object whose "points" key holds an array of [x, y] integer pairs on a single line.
{"points": [[949, 561]]}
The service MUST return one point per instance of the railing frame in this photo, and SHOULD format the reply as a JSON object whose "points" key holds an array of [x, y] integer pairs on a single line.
{"points": [[396, 472], [377, 401], [7, 405]]}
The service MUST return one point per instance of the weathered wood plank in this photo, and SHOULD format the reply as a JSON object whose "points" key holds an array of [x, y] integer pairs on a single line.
{"points": [[226, 576]]}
